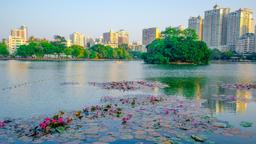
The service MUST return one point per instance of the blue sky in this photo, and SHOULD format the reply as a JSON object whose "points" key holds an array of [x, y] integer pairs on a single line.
{"points": [[46, 18]]}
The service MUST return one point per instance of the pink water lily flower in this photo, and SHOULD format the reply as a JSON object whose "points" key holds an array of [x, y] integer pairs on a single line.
{"points": [[54, 121], [43, 125], [2, 124], [61, 120], [127, 118], [47, 120]]}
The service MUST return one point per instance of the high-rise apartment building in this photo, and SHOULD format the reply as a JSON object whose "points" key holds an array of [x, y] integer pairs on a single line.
{"points": [[255, 29], [196, 23], [77, 39], [215, 27], [123, 37], [137, 46], [149, 35], [69, 43], [110, 39], [239, 23], [246, 44], [17, 37]]}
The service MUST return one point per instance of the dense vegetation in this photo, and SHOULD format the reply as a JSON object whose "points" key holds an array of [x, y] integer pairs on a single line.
{"points": [[218, 55], [40, 49], [137, 55], [3, 50], [177, 46]]}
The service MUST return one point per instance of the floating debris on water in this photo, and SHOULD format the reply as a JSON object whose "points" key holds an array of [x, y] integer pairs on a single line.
{"points": [[147, 119], [241, 86], [69, 83], [135, 117], [198, 138], [128, 85]]}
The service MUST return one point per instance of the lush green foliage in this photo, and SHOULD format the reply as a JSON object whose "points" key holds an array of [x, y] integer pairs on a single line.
{"points": [[41, 49], [177, 46], [137, 54], [3, 50], [218, 55], [251, 56], [106, 52]]}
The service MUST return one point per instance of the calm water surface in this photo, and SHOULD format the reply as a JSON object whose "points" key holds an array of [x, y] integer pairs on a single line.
{"points": [[35, 88]]}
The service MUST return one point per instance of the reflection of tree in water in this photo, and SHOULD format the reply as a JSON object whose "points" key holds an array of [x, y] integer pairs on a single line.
{"points": [[190, 87]]}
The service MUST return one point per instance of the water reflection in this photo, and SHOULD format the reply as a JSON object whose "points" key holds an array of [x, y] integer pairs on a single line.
{"points": [[189, 87], [243, 98], [202, 88], [48, 96]]}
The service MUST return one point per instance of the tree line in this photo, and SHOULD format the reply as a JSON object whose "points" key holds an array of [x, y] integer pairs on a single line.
{"points": [[3, 50], [58, 48]]}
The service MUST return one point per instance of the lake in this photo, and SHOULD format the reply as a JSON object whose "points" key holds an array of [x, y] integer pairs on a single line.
{"points": [[43, 88]]}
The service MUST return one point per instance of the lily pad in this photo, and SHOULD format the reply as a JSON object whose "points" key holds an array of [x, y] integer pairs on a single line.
{"points": [[198, 138], [60, 129], [246, 124]]}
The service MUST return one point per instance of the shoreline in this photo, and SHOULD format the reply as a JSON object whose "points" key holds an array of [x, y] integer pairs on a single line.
{"points": [[63, 59], [87, 59]]}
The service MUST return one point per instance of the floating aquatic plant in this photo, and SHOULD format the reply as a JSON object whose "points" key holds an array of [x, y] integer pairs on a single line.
{"points": [[246, 124], [126, 118], [128, 85], [2, 124], [55, 124]]}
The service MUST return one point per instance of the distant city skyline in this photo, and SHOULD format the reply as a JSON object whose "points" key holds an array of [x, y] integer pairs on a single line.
{"points": [[92, 18]]}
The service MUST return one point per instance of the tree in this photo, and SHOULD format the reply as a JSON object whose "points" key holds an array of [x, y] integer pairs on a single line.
{"points": [[177, 46], [227, 54], [59, 43], [3, 50], [77, 51], [124, 46], [216, 54], [40, 48], [48, 48], [31, 50]]}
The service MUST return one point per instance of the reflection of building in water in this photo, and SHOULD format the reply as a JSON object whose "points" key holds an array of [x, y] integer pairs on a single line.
{"points": [[219, 107], [76, 72], [16, 68], [246, 73], [198, 94], [117, 71], [243, 97], [240, 105], [246, 76]]}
